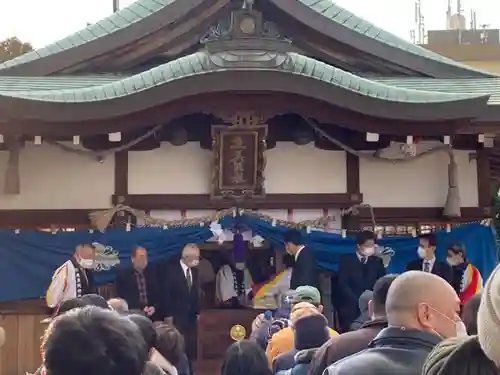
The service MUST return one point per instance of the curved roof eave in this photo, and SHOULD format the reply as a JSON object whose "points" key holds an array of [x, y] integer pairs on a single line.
{"points": [[196, 74], [337, 23], [129, 24]]}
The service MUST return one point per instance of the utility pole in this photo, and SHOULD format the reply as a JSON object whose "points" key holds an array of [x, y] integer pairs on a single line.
{"points": [[116, 6]]}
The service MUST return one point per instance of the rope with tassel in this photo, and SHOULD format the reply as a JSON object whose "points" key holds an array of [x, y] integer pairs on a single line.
{"points": [[452, 204]]}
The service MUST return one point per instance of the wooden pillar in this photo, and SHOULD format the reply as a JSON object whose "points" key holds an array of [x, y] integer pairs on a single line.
{"points": [[484, 179], [121, 187], [352, 222]]}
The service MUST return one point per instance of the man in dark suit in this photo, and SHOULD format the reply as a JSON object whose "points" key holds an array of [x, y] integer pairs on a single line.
{"points": [[138, 285], [305, 269], [180, 289], [428, 262], [357, 273]]}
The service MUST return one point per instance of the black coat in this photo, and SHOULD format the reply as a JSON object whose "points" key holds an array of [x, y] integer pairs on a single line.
{"points": [[302, 363], [391, 351], [177, 300], [284, 361], [344, 345], [305, 270], [440, 269], [354, 278], [127, 287]]}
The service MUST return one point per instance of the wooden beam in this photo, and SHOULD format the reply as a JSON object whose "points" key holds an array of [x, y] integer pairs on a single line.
{"points": [[352, 222], [71, 218], [78, 218], [352, 175], [272, 201], [121, 173], [483, 178], [412, 215]]}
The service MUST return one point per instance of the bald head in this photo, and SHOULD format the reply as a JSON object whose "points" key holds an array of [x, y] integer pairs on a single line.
{"points": [[423, 301]]}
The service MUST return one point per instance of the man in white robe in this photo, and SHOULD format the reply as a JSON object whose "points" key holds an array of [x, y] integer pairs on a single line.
{"points": [[73, 279], [234, 286]]}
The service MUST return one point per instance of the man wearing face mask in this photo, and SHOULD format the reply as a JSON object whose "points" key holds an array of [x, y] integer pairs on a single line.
{"points": [[422, 309], [138, 285], [180, 293], [74, 278], [357, 273], [428, 263], [466, 279]]}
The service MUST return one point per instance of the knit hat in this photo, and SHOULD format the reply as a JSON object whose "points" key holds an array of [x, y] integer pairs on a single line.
{"points": [[488, 317], [277, 326], [310, 332], [447, 358]]}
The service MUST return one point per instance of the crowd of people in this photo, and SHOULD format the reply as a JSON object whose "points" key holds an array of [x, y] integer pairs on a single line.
{"points": [[429, 320], [416, 325]]}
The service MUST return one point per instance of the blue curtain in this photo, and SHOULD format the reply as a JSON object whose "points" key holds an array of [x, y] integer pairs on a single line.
{"points": [[28, 259], [479, 241]]}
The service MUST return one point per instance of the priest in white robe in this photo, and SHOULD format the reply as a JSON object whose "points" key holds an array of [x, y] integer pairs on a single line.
{"points": [[234, 286], [73, 279]]}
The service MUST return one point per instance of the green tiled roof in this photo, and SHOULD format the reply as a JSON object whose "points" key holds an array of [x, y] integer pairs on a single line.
{"points": [[200, 63], [115, 22], [341, 16], [487, 86], [9, 83]]}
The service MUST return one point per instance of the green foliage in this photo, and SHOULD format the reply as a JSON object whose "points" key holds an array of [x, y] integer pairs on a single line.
{"points": [[13, 47]]}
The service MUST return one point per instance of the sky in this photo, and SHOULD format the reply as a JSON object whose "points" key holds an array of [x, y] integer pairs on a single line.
{"points": [[41, 22]]}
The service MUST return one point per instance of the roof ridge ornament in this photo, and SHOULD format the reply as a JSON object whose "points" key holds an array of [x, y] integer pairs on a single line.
{"points": [[245, 29]]}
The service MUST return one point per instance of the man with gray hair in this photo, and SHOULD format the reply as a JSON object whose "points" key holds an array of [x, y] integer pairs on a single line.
{"points": [[180, 291], [118, 304], [422, 309]]}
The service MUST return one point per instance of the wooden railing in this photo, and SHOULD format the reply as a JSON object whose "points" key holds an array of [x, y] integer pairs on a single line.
{"points": [[23, 329]]}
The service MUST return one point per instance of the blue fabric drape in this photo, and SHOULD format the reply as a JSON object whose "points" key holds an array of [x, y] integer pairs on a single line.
{"points": [[479, 241], [28, 259]]}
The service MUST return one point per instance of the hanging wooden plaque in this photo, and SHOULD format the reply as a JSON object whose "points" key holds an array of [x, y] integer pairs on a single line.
{"points": [[239, 160]]}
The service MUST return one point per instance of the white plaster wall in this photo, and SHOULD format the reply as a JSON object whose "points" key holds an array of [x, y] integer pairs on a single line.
{"points": [[293, 169], [56, 179], [170, 170], [188, 170], [420, 183]]}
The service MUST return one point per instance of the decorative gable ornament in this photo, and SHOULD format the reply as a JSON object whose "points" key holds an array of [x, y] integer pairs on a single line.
{"points": [[245, 29]]}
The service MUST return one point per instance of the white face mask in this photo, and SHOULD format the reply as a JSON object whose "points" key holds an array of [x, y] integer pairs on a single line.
{"points": [[194, 263], [368, 251], [86, 263], [452, 262], [422, 253], [461, 329], [239, 266]]}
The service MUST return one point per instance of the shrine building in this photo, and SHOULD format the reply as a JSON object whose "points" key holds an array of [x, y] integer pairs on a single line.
{"points": [[296, 108]]}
